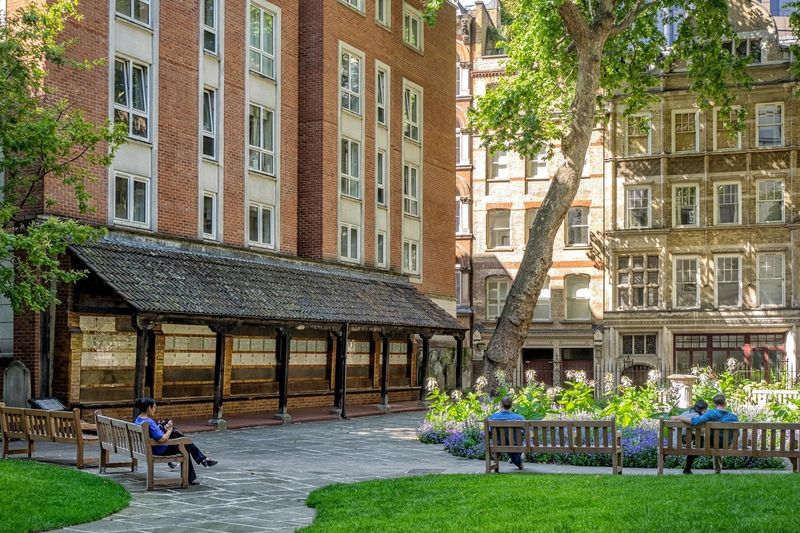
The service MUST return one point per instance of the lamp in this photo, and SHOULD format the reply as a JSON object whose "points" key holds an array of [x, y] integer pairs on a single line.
{"points": [[627, 362]]}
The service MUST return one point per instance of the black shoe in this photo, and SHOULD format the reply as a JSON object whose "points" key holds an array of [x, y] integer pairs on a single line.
{"points": [[194, 482], [172, 465], [208, 462], [687, 471]]}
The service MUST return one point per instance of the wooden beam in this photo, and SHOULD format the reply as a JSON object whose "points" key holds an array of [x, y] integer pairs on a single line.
{"points": [[221, 331], [385, 372], [423, 370], [283, 352], [144, 329], [459, 361], [340, 390]]}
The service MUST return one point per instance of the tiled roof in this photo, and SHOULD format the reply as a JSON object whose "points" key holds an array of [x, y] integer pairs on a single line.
{"points": [[163, 277]]}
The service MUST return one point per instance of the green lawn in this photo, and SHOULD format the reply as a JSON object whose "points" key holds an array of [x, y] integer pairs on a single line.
{"points": [[575, 503], [37, 497]]}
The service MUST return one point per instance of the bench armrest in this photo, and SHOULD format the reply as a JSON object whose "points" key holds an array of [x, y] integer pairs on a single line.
{"points": [[181, 441]]}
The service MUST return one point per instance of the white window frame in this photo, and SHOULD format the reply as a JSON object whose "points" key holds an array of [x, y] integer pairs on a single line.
{"points": [[264, 150], [262, 241], [266, 58], [412, 17], [675, 260], [383, 18], [498, 165], [569, 227], [782, 124], [738, 220], [349, 176], [411, 257], [462, 216], [211, 29], [543, 302], [131, 179], [127, 107], [567, 297], [717, 125], [494, 306], [494, 235], [411, 123], [536, 167], [759, 201], [209, 131], [384, 262], [782, 278], [649, 118], [462, 145], [411, 183], [358, 5], [462, 79], [382, 95], [717, 258], [380, 177], [628, 208], [676, 218], [347, 254], [131, 15], [348, 91], [696, 113], [214, 215]]}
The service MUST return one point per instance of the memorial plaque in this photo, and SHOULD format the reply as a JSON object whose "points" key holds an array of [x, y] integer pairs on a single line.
{"points": [[48, 404]]}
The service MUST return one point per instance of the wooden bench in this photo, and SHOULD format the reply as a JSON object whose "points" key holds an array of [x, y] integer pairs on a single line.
{"points": [[133, 441], [739, 439], [551, 436], [30, 425]]}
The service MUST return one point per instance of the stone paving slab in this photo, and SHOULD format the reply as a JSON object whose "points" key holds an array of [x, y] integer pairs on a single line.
{"points": [[265, 474]]}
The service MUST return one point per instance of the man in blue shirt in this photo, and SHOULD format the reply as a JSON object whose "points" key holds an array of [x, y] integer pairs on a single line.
{"points": [[718, 414], [505, 413]]}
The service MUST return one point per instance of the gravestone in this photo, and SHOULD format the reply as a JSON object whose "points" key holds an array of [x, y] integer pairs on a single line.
{"points": [[16, 385]]}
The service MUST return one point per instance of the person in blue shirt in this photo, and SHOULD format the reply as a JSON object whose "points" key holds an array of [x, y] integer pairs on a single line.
{"points": [[505, 413], [698, 409], [718, 414], [163, 431]]}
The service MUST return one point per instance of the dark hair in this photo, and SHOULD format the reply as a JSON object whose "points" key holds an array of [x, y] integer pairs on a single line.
{"points": [[143, 404], [506, 402], [719, 399], [699, 406]]}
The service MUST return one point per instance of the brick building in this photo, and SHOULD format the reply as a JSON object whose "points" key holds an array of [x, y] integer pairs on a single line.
{"points": [[278, 222], [680, 247]]}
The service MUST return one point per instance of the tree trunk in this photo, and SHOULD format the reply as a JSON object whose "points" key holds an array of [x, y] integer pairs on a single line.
{"points": [[512, 326]]}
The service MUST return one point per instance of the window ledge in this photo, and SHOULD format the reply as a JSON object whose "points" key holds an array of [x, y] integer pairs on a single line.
{"points": [[215, 55], [578, 247], [261, 173], [464, 166], [498, 180], [462, 97], [353, 198], [134, 22], [501, 249], [261, 246], [412, 140], [420, 50], [253, 71], [350, 111]]}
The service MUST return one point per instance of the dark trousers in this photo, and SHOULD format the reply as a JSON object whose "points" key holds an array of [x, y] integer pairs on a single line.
{"points": [[516, 458], [193, 450]]}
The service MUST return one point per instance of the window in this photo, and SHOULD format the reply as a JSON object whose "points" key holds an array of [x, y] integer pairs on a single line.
{"points": [[770, 279], [138, 10], [686, 282], [349, 242], [462, 148], [210, 215], [578, 226], [380, 177], [637, 139], [499, 225], [380, 249], [638, 345], [769, 121], [410, 257], [261, 153], [769, 203], [380, 96], [462, 216], [637, 280], [412, 27], [542, 310], [383, 12], [351, 82], [685, 207], [496, 293], [536, 167], [210, 123], [458, 215], [349, 169], [410, 190], [131, 97], [459, 288], [262, 42], [685, 131], [210, 26], [462, 80], [728, 199], [530, 216], [725, 136], [411, 114], [499, 166], [357, 4], [132, 199], [729, 281], [638, 207], [261, 225], [578, 297], [744, 48], [492, 45]]}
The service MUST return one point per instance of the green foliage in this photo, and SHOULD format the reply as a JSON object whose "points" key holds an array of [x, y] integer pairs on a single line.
{"points": [[577, 396], [789, 411], [633, 405], [42, 138]]}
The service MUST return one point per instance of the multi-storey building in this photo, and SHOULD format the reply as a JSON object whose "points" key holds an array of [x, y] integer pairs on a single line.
{"points": [[279, 225]]}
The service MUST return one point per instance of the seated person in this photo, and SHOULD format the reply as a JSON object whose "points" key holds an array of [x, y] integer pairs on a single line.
{"points": [[718, 414], [163, 431], [698, 409], [505, 413]]}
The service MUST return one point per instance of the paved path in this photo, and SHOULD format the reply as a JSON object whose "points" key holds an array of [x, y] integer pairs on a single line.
{"points": [[266, 473]]}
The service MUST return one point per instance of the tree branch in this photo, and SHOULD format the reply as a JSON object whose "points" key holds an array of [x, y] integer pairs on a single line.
{"points": [[576, 24], [638, 9]]}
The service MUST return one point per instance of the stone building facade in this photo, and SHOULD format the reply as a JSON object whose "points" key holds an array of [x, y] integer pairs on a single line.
{"points": [[290, 136]]}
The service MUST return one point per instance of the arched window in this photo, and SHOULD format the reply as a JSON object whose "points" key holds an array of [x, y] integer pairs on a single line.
{"points": [[578, 297]]}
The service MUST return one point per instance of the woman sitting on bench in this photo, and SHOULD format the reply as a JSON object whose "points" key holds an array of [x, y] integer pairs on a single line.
{"points": [[162, 431]]}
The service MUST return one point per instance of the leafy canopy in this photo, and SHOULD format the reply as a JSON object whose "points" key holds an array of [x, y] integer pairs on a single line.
{"points": [[42, 137]]}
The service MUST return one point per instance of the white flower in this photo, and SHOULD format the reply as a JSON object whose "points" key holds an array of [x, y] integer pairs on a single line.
{"points": [[704, 379], [731, 364], [579, 376], [653, 377], [608, 382], [552, 392], [530, 376], [456, 395], [625, 382], [431, 384], [500, 375], [695, 371], [481, 383]]}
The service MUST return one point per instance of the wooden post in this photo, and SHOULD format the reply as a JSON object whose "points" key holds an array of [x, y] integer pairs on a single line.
{"points": [[143, 330], [384, 406], [459, 361], [283, 348], [423, 370], [340, 394], [221, 330]]}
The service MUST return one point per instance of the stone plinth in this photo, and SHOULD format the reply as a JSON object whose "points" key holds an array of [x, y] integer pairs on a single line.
{"points": [[684, 384]]}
